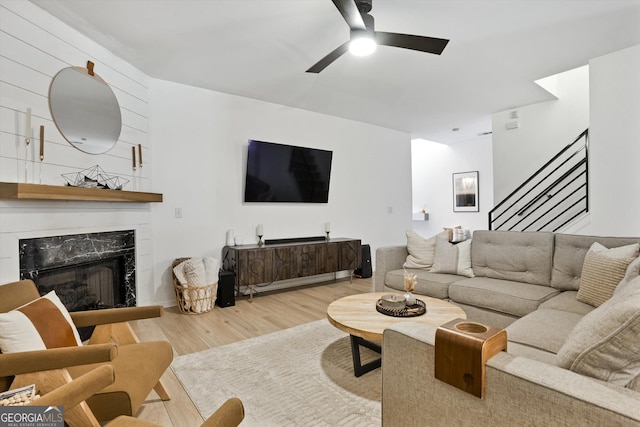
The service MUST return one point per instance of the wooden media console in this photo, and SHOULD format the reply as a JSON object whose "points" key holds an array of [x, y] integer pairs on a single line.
{"points": [[255, 265]]}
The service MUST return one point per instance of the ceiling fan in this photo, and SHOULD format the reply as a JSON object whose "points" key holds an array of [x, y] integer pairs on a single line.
{"points": [[364, 36]]}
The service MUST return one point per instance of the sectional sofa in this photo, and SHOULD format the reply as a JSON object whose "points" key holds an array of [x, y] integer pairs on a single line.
{"points": [[558, 334]]}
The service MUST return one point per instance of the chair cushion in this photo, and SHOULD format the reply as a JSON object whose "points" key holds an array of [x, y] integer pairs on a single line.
{"points": [[43, 323], [602, 270], [505, 296], [605, 344]]}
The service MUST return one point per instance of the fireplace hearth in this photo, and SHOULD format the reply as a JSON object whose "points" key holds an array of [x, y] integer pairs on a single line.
{"points": [[87, 271]]}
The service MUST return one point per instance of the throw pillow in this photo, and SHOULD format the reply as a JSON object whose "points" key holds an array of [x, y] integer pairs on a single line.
{"points": [[605, 344], [602, 270], [449, 231], [452, 258], [420, 250], [460, 235], [41, 324], [633, 271]]}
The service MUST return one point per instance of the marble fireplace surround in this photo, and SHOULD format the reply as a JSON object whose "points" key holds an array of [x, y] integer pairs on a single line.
{"points": [[47, 254]]}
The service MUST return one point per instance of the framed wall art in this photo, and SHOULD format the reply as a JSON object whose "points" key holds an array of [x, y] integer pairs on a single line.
{"points": [[465, 192]]}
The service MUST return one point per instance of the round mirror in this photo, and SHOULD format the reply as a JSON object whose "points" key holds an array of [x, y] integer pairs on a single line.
{"points": [[85, 110]]}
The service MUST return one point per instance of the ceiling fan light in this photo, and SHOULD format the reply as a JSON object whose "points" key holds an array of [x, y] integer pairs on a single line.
{"points": [[362, 46]]}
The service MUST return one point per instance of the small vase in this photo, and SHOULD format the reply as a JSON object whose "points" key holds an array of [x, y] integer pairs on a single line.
{"points": [[409, 299]]}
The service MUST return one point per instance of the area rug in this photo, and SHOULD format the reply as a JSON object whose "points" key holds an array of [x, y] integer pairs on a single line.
{"points": [[302, 376]]}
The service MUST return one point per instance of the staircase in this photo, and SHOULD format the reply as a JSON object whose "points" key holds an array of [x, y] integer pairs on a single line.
{"points": [[554, 196]]}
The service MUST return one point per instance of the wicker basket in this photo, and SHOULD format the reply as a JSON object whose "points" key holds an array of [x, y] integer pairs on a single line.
{"points": [[193, 299]]}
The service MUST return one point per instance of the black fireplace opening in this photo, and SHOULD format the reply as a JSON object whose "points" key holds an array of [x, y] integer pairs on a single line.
{"points": [[87, 271], [87, 286]]}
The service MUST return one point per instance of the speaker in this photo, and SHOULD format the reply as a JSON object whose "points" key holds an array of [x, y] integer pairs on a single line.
{"points": [[226, 289], [365, 271]]}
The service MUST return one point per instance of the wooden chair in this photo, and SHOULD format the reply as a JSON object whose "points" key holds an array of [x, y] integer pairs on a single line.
{"points": [[73, 393], [138, 365]]}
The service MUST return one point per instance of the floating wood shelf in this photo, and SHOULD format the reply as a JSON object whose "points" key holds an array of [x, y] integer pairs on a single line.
{"points": [[22, 191]]}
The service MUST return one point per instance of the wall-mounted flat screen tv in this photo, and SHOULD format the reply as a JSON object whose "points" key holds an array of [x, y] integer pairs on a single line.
{"points": [[286, 173]]}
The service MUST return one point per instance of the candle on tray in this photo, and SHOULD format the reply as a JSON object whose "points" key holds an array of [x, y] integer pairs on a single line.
{"points": [[133, 154], [259, 230], [327, 227], [140, 154]]}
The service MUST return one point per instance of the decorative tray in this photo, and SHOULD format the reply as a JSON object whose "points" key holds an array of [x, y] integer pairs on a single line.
{"points": [[417, 309]]}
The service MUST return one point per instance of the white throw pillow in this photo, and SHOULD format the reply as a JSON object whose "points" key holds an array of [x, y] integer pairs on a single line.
{"points": [[460, 235], [449, 231], [602, 270], [421, 250], [41, 324], [605, 344], [452, 258]]}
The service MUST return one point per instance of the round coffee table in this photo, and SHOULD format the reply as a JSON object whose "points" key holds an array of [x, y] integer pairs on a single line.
{"points": [[357, 316]]}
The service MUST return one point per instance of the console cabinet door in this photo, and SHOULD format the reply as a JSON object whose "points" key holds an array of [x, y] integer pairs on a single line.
{"points": [[304, 259], [283, 264], [350, 254], [327, 257], [255, 267]]}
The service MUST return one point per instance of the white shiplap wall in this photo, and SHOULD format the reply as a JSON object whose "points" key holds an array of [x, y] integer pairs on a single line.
{"points": [[34, 46]]}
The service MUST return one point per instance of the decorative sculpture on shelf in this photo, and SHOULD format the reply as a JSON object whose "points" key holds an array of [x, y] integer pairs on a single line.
{"points": [[95, 177]]}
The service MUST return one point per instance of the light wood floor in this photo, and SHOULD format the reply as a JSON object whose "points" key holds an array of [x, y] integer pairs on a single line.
{"points": [[192, 333]]}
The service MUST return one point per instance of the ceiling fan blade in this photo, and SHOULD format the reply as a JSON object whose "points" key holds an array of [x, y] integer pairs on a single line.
{"points": [[350, 13], [408, 41], [327, 60]]}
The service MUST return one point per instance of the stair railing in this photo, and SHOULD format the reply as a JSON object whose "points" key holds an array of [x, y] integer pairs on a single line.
{"points": [[552, 197]]}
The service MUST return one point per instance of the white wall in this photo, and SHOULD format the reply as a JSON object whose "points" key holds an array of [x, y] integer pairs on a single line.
{"points": [[199, 166], [432, 167], [34, 47], [613, 119], [615, 144], [199, 143], [543, 130]]}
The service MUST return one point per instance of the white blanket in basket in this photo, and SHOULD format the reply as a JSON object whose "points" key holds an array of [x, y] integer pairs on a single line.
{"points": [[199, 277]]}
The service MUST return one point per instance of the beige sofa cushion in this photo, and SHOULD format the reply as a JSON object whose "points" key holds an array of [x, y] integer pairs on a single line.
{"points": [[569, 253], [566, 301], [505, 296], [420, 250], [605, 344], [543, 329], [602, 270], [434, 285], [513, 255]]}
